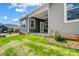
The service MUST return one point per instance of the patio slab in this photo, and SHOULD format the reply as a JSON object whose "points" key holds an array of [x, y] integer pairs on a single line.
{"points": [[41, 34]]}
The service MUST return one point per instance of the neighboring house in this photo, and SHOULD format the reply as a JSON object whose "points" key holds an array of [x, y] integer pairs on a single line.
{"points": [[13, 27], [50, 18], [9, 28], [3, 28]]}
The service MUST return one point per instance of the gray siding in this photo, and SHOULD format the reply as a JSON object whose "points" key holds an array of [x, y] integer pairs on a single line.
{"points": [[24, 29], [45, 30], [56, 20], [37, 25]]}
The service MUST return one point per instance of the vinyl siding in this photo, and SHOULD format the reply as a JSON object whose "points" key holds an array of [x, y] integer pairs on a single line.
{"points": [[56, 20], [37, 25]]}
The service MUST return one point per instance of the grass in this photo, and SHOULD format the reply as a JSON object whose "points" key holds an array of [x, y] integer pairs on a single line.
{"points": [[32, 45], [6, 40], [10, 52]]}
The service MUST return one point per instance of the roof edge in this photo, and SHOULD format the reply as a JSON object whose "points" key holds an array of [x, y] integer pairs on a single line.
{"points": [[33, 11]]}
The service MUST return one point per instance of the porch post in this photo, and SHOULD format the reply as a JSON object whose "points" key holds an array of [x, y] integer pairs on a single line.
{"points": [[20, 25], [28, 25]]}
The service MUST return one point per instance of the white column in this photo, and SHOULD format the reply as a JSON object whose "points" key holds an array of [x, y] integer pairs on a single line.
{"points": [[28, 25], [20, 25]]}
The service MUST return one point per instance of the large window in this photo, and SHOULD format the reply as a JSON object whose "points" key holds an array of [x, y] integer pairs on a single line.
{"points": [[32, 23], [72, 12], [23, 23]]}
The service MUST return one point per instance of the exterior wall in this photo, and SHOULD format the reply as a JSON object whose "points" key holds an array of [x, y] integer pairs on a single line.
{"points": [[45, 30], [56, 20], [24, 22], [37, 25]]}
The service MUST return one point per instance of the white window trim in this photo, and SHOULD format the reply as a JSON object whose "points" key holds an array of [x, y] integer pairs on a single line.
{"points": [[65, 15], [23, 22], [23, 26], [34, 24], [46, 24]]}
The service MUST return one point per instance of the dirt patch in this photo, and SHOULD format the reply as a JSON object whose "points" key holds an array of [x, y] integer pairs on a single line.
{"points": [[71, 36], [69, 43]]}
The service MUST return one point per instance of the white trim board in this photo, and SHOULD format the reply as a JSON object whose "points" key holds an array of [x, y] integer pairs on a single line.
{"points": [[34, 24]]}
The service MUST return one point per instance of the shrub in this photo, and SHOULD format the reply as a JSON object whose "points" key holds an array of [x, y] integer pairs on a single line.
{"points": [[58, 37], [21, 33]]}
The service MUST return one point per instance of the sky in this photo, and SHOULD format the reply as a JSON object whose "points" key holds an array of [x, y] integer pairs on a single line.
{"points": [[10, 13]]}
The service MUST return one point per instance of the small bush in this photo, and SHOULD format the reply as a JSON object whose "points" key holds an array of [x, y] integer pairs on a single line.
{"points": [[59, 38], [21, 33]]}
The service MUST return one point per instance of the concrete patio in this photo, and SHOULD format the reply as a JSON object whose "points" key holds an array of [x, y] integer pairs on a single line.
{"points": [[41, 34]]}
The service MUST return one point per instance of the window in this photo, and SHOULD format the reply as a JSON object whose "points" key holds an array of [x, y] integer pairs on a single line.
{"points": [[46, 24], [32, 23], [72, 12], [23, 25]]}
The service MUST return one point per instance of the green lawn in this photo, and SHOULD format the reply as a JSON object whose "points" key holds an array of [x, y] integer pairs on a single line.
{"points": [[27, 45]]}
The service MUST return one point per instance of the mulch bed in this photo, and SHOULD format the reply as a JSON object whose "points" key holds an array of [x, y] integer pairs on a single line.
{"points": [[68, 43], [71, 36]]}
